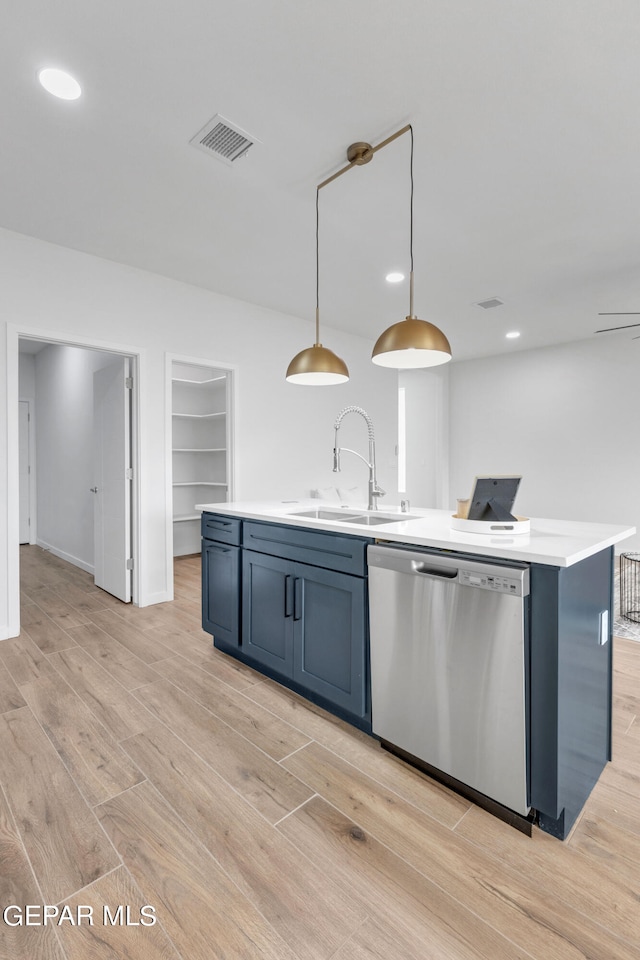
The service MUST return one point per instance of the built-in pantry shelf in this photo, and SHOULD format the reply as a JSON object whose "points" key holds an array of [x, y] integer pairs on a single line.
{"points": [[200, 448], [190, 380], [199, 483], [200, 416]]}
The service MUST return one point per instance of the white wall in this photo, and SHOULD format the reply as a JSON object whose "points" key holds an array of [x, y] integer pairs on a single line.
{"points": [[27, 376], [64, 454], [283, 433], [565, 418], [427, 435]]}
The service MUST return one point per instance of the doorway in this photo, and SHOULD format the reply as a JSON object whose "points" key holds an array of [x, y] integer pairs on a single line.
{"points": [[63, 474], [201, 404], [201, 447]]}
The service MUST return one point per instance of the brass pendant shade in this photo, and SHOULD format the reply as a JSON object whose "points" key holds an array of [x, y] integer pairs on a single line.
{"points": [[317, 366], [411, 343]]}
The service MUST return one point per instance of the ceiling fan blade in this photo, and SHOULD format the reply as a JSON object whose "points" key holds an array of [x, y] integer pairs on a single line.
{"points": [[627, 326], [623, 313]]}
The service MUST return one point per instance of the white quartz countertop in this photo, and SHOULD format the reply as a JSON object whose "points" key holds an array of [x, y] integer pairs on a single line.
{"points": [[559, 543]]}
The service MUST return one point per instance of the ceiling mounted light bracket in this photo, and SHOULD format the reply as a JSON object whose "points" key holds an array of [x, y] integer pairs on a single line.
{"points": [[360, 153], [411, 343]]}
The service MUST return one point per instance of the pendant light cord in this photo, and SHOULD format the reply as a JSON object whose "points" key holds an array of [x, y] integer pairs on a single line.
{"points": [[317, 266], [411, 214], [411, 228]]}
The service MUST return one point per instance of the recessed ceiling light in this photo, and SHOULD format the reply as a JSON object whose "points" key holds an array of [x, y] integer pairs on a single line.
{"points": [[512, 335], [394, 277], [59, 83]]}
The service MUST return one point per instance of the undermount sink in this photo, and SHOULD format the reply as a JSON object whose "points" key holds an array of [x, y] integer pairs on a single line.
{"points": [[373, 521], [324, 514], [341, 516]]}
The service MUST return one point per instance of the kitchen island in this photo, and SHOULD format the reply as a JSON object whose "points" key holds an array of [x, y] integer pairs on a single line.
{"points": [[285, 589]]}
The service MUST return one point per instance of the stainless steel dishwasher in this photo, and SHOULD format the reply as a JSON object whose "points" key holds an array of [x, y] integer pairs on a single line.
{"points": [[448, 666]]}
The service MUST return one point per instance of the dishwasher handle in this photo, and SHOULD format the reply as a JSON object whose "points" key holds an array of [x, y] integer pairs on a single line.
{"points": [[445, 573], [413, 562]]}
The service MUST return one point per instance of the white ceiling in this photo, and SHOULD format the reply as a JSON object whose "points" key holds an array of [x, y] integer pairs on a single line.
{"points": [[527, 150]]}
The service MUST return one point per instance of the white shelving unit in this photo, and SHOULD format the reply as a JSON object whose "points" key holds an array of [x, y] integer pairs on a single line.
{"points": [[200, 448]]}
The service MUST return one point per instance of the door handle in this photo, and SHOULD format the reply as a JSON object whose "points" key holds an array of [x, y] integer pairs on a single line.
{"points": [[288, 595], [297, 598], [93, 489]]}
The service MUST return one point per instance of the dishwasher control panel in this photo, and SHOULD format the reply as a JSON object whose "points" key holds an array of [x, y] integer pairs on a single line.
{"points": [[488, 581]]}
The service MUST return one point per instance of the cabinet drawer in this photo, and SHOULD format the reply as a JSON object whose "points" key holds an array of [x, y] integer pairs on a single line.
{"points": [[215, 526], [332, 551]]}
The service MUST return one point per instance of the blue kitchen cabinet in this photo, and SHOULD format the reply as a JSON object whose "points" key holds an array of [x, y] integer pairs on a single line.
{"points": [[571, 675], [292, 603], [308, 625], [331, 653], [304, 614], [221, 580], [267, 611]]}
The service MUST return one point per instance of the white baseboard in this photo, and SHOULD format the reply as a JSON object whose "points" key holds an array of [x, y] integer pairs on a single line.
{"points": [[66, 556]]}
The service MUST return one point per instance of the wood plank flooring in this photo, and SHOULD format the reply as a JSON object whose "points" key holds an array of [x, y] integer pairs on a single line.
{"points": [[139, 766]]}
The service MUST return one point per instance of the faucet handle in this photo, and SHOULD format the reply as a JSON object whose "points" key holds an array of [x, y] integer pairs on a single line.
{"points": [[378, 491]]}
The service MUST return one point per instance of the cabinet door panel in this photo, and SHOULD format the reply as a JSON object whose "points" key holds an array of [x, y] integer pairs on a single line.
{"points": [[330, 642], [221, 592], [267, 611]]}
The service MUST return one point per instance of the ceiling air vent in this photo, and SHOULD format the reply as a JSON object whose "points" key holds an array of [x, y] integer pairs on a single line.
{"points": [[488, 304], [223, 140]]}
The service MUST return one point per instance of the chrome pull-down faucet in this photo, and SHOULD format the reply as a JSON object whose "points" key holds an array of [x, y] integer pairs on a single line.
{"points": [[375, 490]]}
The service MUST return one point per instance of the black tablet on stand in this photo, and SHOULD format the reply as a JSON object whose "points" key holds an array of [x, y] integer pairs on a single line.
{"points": [[493, 498]]}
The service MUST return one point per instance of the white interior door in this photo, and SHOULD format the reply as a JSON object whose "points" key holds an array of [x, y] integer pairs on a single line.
{"points": [[112, 484], [24, 463]]}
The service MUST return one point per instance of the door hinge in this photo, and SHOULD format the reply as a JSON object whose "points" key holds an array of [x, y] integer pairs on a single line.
{"points": [[130, 563], [128, 474], [129, 383]]}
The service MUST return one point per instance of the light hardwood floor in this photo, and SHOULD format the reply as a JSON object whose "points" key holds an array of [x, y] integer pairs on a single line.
{"points": [[140, 766]]}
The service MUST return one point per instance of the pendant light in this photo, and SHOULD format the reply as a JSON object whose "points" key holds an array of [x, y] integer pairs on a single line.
{"points": [[408, 344], [411, 343], [317, 365]]}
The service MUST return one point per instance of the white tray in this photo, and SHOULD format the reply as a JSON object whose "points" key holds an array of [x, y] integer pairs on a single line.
{"points": [[493, 528]]}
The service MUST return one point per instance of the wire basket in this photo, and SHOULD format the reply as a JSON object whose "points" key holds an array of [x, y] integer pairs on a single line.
{"points": [[630, 586]]}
